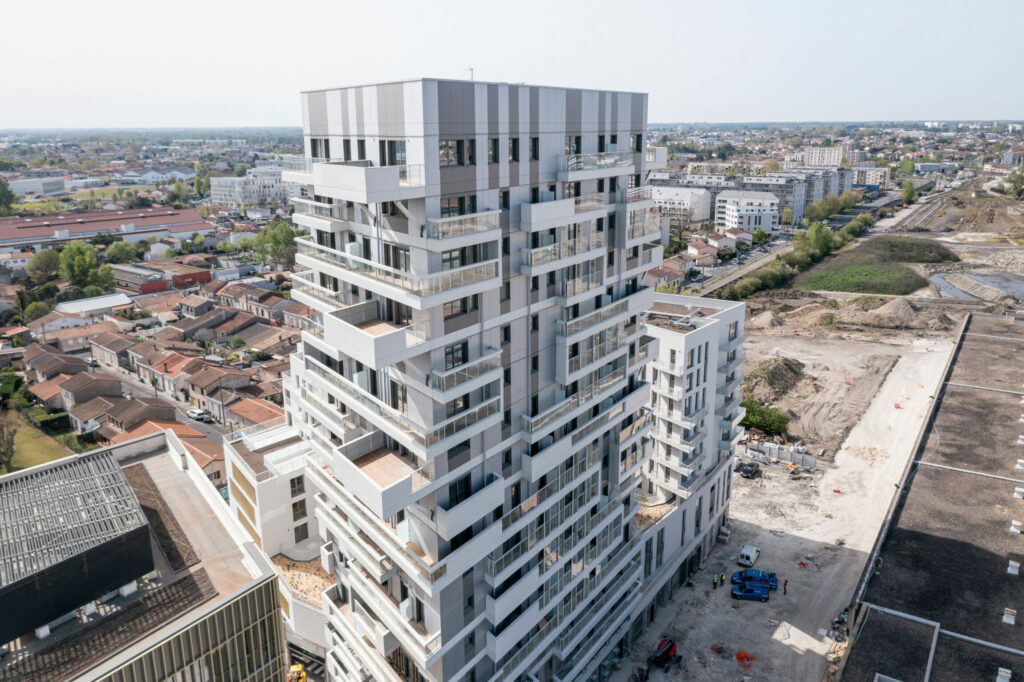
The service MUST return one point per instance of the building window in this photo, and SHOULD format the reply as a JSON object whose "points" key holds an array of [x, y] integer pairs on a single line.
{"points": [[361, 150], [535, 323], [459, 490], [456, 355], [505, 203], [297, 485], [460, 404], [513, 149], [453, 206], [346, 149], [492, 150], [453, 308], [301, 533], [451, 152], [470, 152], [636, 142], [534, 149], [506, 334], [298, 510]]}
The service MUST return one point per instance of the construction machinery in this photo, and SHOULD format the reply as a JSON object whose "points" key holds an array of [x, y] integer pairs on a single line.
{"points": [[297, 673]]}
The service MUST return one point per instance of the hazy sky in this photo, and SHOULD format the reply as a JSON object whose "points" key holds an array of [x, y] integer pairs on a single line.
{"points": [[227, 63]]}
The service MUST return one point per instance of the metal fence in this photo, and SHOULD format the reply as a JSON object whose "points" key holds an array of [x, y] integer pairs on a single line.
{"points": [[776, 451]]}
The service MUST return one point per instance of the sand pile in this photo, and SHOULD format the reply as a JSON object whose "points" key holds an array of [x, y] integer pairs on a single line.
{"points": [[765, 320], [773, 379]]}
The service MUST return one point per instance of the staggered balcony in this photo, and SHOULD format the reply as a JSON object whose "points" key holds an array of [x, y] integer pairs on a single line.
{"points": [[579, 167], [359, 181], [560, 253], [544, 215]]}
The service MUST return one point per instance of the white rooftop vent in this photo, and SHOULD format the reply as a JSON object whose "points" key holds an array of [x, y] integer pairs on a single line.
{"points": [[120, 213], [46, 222], [1018, 493], [79, 220], [1009, 616], [1020, 463], [1004, 675], [143, 215], [1013, 568], [1015, 526]]}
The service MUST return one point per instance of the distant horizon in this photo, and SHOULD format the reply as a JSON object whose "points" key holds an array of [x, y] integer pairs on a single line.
{"points": [[650, 124]]}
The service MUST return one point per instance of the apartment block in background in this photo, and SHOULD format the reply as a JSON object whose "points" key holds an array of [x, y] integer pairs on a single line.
{"points": [[470, 388]]}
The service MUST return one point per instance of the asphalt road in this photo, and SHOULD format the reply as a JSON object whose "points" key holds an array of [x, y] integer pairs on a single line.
{"points": [[729, 277]]}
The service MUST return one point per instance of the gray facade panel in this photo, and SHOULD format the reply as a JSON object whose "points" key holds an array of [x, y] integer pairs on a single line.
{"points": [[391, 110], [317, 104], [573, 112]]}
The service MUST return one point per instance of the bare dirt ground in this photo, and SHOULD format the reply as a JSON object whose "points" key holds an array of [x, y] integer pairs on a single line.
{"points": [[801, 521]]}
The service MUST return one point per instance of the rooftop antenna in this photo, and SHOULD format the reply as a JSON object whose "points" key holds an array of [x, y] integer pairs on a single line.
{"points": [[470, 69]]}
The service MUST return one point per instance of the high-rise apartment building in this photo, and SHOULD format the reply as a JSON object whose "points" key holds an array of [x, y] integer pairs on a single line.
{"points": [[823, 156], [471, 387]]}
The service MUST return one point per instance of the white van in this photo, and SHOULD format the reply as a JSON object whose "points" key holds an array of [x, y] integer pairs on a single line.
{"points": [[748, 555]]}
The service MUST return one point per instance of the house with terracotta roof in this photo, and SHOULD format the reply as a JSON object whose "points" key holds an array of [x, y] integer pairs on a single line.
{"points": [[252, 411], [55, 321], [109, 416], [131, 225], [169, 373], [209, 456], [194, 305], [110, 350], [84, 386], [207, 380], [48, 364], [47, 393], [294, 314], [77, 338], [702, 252]]}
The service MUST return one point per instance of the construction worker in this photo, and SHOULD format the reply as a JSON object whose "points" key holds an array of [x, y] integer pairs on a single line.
{"points": [[714, 581], [785, 586]]}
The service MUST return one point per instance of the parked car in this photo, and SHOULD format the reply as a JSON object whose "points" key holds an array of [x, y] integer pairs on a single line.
{"points": [[750, 591], [748, 555], [200, 415], [756, 576]]}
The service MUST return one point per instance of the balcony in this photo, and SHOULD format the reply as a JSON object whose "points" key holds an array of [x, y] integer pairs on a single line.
{"points": [[458, 231], [353, 540], [463, 377], [453, 520], [677, 440], [632, 195], [563, 408], [642, 225], [578, 167], [568, 289], [316, 209], [381, 478], [361, 181], [557, 482], [361, 333], [418, 291], [297, 168], [544, 215], [644, 352], [568, 368], [556, 255], [323, 299], [589, 321]]}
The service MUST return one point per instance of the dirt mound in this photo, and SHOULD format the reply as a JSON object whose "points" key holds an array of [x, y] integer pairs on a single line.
{"points": [[899, 310], [765, 320], [773, 379]]}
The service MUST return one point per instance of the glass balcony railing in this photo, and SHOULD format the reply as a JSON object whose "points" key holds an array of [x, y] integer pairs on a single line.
{"points": [[302, 283], [316, 209], [630, 194], [589, 202], [598, 161], [556, 412], [418, 285], [579, 285], [643, 223], [297, 163], [598, 352], [560, 250], [445, 381], [584, 322], [445, 228]]}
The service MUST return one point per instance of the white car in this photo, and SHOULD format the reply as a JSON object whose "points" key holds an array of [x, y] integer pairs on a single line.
{"points": [[197, 414]]}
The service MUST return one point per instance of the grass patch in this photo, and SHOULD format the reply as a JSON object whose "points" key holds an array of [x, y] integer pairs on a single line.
{"points": [[868, 303], [875, 267], [32, 447]]}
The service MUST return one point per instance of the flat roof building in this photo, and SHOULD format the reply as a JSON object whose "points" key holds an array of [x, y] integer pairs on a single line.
{"points": [[135, 572]]}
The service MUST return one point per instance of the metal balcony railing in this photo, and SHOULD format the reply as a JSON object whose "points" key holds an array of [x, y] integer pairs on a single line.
{"points": [[560, 250], [572, 327], [559, 410], [445, 228], [597, 161]]}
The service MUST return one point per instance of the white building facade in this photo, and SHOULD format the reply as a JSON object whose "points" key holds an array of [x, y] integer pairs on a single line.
{"points": [[684, 204], [471, 386], [823, 156], [259, 186], [747, 211]]}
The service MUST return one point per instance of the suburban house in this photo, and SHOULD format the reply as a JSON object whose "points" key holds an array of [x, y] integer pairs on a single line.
{"points": [[55, 321], [96, 306], [740, 236], [702, 252], [207, 380], [193, 306], [230, 328], [109, 416], [247, 412], [84, 386], [169, 373], [47, 393], [110, 350], [48, 365], [78, 338], [721, 241], [189, 328], [295, 313]]}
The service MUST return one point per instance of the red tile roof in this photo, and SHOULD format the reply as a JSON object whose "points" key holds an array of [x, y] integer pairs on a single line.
{"points": [[144, 220]]}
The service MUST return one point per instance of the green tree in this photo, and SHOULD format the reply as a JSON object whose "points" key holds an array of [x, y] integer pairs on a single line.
{"points": [[772, 421], [237, 342], [78, 263], [92, 291], [7, 197], [103, 278], [907, 166], [121, 252], [759, 236], [1016, 180], [909, 193], [275, 237], [43, 265], [787, 216], [35, 310], [849, 199]]}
